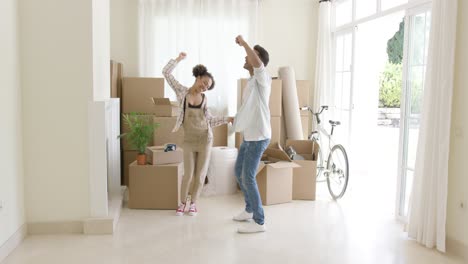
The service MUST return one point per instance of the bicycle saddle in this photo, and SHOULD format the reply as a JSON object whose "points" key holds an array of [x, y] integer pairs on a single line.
{"points": [[334, 123]]}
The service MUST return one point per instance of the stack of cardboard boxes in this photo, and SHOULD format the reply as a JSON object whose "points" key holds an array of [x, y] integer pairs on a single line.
{"points": [[304, 178], [146, 97], [156, 185]]}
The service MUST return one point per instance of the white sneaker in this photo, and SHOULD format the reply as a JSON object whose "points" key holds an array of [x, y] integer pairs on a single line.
{"points": [[243, 216], [251, 227]]}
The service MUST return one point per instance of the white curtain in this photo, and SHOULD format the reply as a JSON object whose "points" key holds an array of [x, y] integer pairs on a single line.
{"points": [[323, 68], [428, 202], [206, 30]]}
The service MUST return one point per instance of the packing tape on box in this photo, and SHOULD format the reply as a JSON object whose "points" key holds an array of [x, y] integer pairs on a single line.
{"points": [[292, 115], [221, 177]]}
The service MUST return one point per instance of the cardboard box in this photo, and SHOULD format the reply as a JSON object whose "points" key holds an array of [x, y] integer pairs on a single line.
{"points": [[155, 155], [124, 141], [128, 157], [163, 134], [275, 96], [275, 177], [304, 177], [137, 93], [220, 136], [275, 122], [155, 186], [304, 89], [164, 107]]}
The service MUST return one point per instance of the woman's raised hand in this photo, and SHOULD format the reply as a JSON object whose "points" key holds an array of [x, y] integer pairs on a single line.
{"points": [[182, 56]]}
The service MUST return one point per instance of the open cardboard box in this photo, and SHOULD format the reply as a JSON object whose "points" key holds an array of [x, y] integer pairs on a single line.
{"points": [[274, 176], [155, 155]]}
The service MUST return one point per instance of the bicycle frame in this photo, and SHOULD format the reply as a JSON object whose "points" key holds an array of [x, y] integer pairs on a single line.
{"points": [[317, 136]]}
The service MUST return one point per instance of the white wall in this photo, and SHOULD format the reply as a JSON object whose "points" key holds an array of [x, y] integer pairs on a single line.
{"points": [[457, 218], [57, 82], [101, 52], [288, 30], [12, 215], [124, 34]]}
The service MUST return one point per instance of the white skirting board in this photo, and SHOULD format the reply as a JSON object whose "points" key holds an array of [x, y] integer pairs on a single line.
{"points": [[13, 242]]}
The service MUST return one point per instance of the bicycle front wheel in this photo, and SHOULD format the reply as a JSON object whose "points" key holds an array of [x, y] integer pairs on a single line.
{"points": [[338, 172]]}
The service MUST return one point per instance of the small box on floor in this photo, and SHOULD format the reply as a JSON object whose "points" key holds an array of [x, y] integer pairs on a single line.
{"points": [[274, 177], [157, 156], [155, 186]]}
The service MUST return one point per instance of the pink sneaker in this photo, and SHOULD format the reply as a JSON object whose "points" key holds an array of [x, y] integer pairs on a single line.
{"points": [[180, 210], [193, 210]]}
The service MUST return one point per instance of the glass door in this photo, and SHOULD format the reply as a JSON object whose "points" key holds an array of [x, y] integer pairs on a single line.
{"points": [[417, 27]]}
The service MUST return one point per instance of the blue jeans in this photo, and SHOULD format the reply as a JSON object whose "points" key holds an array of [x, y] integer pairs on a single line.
{"points": [[247, 162]]}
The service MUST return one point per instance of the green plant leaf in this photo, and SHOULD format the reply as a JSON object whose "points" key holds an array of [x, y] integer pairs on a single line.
{"points": [[140, 130]]}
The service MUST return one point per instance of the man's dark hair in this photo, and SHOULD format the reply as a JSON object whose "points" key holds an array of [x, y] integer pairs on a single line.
{"points": [[262, 54]]}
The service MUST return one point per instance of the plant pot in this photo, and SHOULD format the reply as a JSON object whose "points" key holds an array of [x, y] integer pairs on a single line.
{"points": [[141, 159]]}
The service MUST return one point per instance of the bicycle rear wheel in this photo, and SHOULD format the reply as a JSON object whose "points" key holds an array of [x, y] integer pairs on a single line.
{"points": [[338, 172]]}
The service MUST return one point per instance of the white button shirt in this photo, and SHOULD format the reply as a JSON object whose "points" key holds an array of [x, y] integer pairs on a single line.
{"points": [[253, 117]]}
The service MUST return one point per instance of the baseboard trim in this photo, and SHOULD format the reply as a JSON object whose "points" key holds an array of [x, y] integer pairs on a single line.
{"points": [[13, 242], [98, 226], [457, 248], [51, 228], [90, 226], [106, 225]]}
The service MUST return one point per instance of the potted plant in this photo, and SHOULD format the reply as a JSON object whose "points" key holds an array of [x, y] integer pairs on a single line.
{"points": [[140, 132]]}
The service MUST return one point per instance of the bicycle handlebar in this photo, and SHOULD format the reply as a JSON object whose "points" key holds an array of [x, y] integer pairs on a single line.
{"points": [[323, 107]]}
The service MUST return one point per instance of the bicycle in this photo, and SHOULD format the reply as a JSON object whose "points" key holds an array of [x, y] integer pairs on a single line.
{"points": [[335, 168]]}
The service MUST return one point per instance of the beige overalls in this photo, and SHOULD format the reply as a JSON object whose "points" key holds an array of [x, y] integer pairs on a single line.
{"points": [[197, 151]]}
